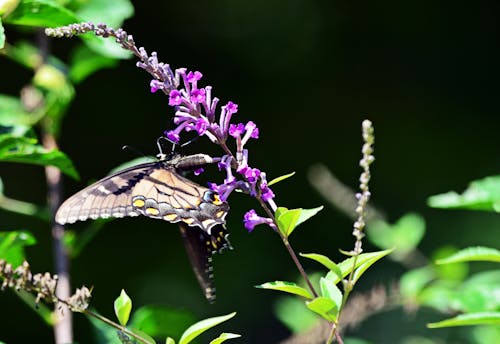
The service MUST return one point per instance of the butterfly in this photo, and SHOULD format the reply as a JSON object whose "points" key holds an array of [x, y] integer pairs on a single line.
{"points": [[158, 190]]}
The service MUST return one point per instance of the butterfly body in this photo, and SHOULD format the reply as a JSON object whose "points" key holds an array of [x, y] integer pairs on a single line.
{"points": [[158, 190]]}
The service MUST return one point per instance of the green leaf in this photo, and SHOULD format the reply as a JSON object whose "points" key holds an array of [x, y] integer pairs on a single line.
{"points": [[306, 214], [169, 341], [291, 312], [413, 281], [147, 337], [287, 221], [25, 150], [12, 246], [404, 235], [477, 253], [288, 287], [223, 337], [2, 35], [479, 293], [482, 194], [103, 333], [198, 328], [325, 307], [12, 112], [43, 13], [479, 318], [280, 178], [123, 306], [364, 258], [20, 207], [111, 12], [331, 291], [86, 62], [161, 321], [327, 262]]}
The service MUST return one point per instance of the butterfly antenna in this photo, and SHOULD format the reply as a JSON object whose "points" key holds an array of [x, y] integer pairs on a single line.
{"points": [[133, 149], [189, 142], [160, 146]]}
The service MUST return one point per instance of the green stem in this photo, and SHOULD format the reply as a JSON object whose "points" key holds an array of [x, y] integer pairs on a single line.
{"points": [[115, 325], [289, 248]]}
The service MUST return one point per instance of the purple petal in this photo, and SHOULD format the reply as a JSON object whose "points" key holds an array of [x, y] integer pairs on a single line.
{"points": [[236, 130], [155, 85], [198, 96], [193, 77], [172, 135], [175, 98], [199, 171]]}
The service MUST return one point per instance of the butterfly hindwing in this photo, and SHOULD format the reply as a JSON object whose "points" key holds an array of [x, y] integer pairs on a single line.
{"points": [[200, 246]]}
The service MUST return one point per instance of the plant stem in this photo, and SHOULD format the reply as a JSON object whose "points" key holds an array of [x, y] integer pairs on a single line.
{"points": [[289, 248], [115, 325], [63, 328]]}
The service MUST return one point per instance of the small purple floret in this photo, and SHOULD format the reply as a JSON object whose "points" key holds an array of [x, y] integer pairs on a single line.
{"points": [[175, 98], [198, 95], [251, 219], [236, 130]]}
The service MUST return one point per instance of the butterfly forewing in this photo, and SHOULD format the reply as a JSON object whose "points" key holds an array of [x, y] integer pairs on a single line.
{"points": [[158, 191]]}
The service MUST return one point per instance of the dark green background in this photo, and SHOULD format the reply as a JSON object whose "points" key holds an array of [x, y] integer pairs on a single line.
{"points": [[307, 72]]}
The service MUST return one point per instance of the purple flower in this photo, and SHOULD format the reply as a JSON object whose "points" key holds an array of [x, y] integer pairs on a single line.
{"points": [[172, 136], [251, 219], [198, 171], [266, 193], [175, 98], [193, 77], [236, 130], [251, 132], [201, 126], [251, 174], [155, 85], [198, 95]]}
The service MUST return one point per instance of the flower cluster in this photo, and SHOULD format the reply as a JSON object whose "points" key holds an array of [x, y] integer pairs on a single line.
{"points": [[196, 111]]}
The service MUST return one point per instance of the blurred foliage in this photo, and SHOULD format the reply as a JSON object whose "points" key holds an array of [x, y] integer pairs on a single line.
{"points": [[427, 80]]}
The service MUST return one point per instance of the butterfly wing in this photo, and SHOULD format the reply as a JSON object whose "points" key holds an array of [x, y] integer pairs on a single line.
{"points": [[200, 246], [109, 197], [154, 190]]}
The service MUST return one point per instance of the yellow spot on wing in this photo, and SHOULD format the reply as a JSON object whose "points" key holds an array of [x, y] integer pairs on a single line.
{"points": [[188, 221], [139, 203], [152, 211], [220, 213], [170, 217]]}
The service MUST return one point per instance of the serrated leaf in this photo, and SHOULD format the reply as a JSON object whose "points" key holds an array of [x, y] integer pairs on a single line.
{"points": [[327, 262], [331, 291], [280, 178], [482, 194], [479, 318], [288, 287], [85, 62], [347, 264], [198, 328], [123, 307], [161, 321], [325, 307], [477, 253], [24, 150], [41, 13], [223, 337], [12, 245]]}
